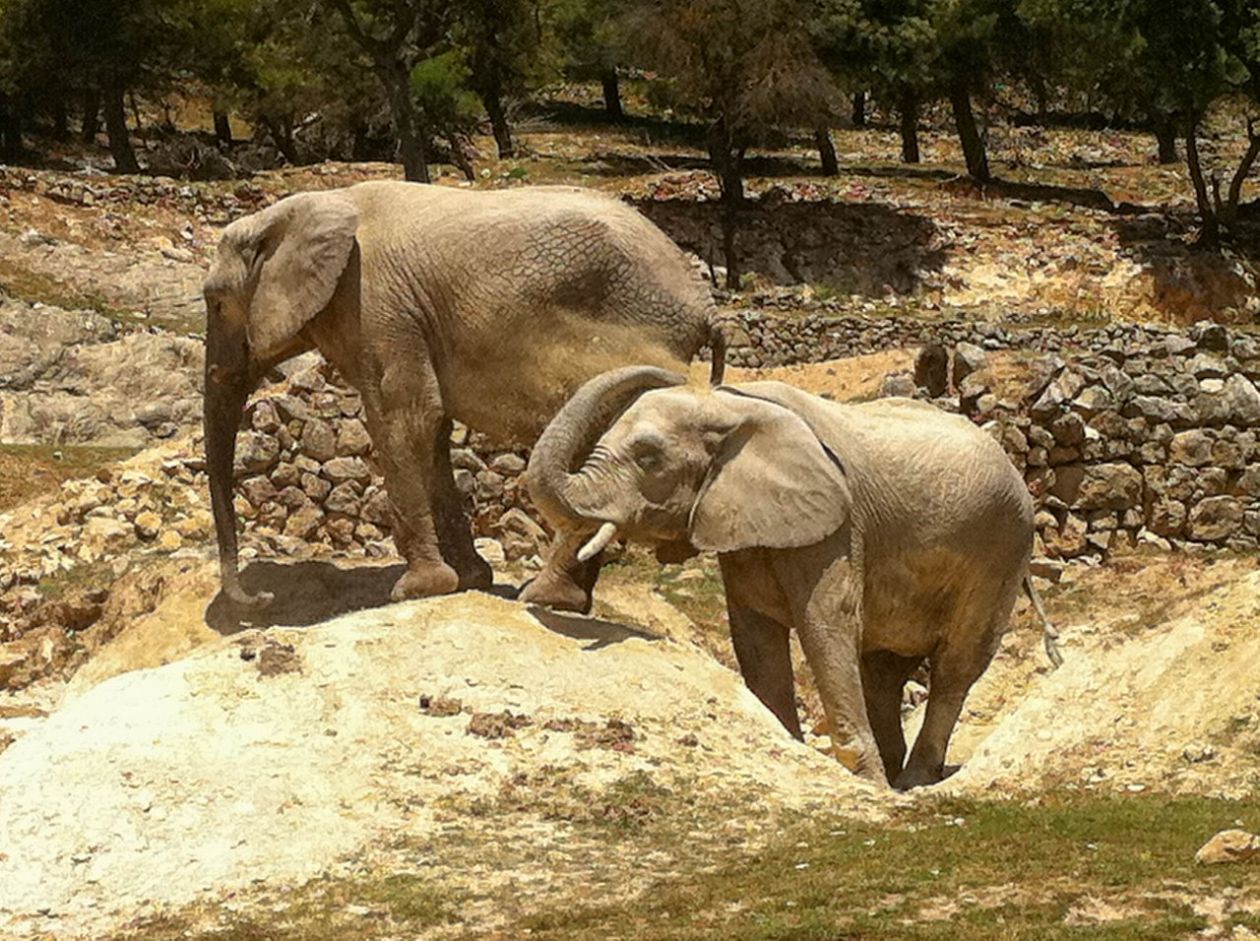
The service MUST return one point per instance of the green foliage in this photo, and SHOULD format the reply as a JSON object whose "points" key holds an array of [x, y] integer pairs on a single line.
{"points": [[440, 88]]}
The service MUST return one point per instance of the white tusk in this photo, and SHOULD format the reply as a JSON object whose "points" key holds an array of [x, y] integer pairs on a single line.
{"points": [[599, 542]]}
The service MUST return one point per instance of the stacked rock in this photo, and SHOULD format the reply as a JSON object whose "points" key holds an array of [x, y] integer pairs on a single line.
{"points": [[305, 477], [1152, 440]]}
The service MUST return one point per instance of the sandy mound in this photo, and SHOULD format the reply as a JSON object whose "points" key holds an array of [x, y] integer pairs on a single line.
{"points": [[1171, 703], [266, 757]]}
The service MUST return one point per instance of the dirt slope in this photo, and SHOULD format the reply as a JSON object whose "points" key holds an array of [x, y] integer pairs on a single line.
{"points": [[208, 774]]}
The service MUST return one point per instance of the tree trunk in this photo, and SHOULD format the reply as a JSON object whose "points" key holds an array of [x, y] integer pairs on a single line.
{"points": [[91, 116], [1166, 138], [402, 109], [859, 109], [116, 127], [612, 94], [10, 129], [908, 108], [493, 102], [222, 128], [358, 140], [1207, 212], [968, 133], [1241, 174], [60, 118], [826, 151], [728, 164], [281, 134]]}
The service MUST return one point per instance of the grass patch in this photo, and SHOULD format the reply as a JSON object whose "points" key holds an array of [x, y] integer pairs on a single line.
{"points": [[956, 870], [31, 470], [38, 287], [328, 909], [634, 804], [84, 576]]}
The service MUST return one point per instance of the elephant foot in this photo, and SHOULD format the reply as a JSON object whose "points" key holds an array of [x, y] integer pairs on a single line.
{"points": [[559, 594], [475, 575], [912, 777], [425, 581]]}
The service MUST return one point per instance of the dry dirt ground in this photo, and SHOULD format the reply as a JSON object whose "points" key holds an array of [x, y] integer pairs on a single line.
{"points": [[467, 768]]}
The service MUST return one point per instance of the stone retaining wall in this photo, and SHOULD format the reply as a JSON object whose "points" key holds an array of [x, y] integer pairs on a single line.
{"points": [[305, 477], [1125, 434]]}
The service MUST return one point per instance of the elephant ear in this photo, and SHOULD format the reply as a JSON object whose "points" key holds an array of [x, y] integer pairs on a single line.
{"points": [[773, 484], [302, 252]]}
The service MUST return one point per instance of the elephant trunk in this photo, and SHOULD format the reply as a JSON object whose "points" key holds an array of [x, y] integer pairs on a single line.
{"points": [[559, 491], [228, 382]]}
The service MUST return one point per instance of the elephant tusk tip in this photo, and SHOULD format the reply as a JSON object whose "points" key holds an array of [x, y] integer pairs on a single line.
{"points": [[598, 543]]}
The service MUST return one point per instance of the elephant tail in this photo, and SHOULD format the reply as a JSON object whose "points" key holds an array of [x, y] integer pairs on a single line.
{"points": [[717, 351], [1049, 634]]}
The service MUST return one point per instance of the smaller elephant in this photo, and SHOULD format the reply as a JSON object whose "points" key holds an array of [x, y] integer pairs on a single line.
{"points": [[885, 534]]}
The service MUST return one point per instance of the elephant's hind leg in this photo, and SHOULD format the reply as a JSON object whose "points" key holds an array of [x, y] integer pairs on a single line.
{"points": [[959, 660], [454, 531], [884, 676]]}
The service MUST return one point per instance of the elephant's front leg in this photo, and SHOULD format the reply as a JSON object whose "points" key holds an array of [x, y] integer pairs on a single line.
{"points": [[823, 586], [405, 415], [565, 584], [762, 643]]}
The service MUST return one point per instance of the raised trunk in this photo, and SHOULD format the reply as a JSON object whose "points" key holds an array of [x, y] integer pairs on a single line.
{"points": [[612, 94], [968, 134], [1165, 138], [555, 488], [116, 127], [493, 102], [908, 109], [222, 128], [227, 388], [826, 151]]}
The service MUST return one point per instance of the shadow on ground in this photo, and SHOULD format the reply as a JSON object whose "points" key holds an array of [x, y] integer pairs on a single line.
{"points": [[856, 248], [309, 592], [1191, 282], [313, 591], [601, 633]]}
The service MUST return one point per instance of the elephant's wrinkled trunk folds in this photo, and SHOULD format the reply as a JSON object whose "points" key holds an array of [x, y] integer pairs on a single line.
{"points": [[560, 493], [228, 382]]}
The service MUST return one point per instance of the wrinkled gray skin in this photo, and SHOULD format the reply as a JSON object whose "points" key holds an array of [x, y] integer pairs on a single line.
{"points": [[489, 308], [883, 533]]}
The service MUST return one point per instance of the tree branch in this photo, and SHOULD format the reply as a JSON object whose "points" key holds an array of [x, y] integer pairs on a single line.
{"points": [[1244, 168]]}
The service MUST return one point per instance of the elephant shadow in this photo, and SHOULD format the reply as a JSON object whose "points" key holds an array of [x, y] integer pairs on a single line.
{"points": [[308, 592], [599, 632], [311, 591]]}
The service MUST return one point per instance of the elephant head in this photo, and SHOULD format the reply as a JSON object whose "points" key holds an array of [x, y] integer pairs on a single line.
{"points": [[274, 272], [719, 469]]}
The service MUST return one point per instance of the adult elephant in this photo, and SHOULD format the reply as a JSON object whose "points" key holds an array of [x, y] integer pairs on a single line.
{"points": [[436, 304], [883, 533]]}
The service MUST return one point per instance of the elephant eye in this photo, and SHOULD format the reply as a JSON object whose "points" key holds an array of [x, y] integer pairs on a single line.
{"points": [[647, 454]]}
